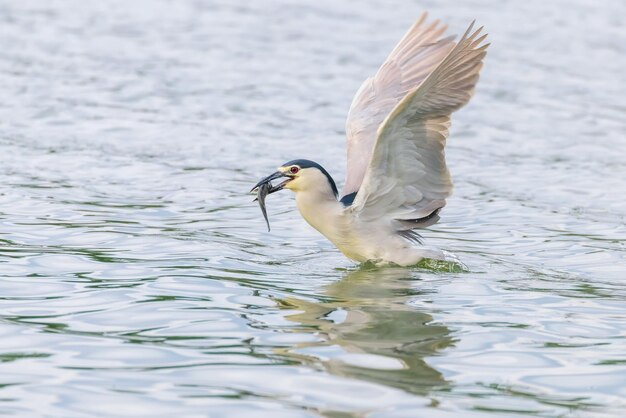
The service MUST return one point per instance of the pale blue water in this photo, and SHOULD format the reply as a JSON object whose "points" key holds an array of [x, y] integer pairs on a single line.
{"points": [[137, 277]]}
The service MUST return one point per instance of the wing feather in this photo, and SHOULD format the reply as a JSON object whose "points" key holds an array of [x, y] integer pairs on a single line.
{"points": [[407, 179], [416, 55]]}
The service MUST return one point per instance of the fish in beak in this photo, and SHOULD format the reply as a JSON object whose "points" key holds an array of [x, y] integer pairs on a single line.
{"points": [[265, 187]]}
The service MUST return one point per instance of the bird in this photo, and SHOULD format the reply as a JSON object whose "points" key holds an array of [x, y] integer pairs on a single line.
{"points": [[397, 180]]}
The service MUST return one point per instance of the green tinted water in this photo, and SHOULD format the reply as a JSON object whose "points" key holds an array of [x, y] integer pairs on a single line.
{"points": [[136, 276]]}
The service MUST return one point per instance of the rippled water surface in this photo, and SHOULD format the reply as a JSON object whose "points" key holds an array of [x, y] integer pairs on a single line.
{"points": [[137, 277]]}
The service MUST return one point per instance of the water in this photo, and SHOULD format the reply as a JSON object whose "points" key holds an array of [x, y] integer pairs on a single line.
{"points": [[137, 277]]}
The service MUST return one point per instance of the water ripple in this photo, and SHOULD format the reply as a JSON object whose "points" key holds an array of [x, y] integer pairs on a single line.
{"points": [[135, 271]]}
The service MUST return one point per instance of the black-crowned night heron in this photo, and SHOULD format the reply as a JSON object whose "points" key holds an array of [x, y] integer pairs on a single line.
{"points": [[397, 179]]}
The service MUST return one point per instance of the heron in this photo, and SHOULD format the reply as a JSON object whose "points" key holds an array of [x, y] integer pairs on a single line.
{"points": [[397, 180]]}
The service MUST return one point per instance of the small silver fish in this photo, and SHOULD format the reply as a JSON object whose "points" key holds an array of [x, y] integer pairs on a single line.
{"points": [[264, 187], [262, 191]]}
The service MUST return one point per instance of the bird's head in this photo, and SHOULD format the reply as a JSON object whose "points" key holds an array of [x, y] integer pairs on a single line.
{"points": [[301, 175]]}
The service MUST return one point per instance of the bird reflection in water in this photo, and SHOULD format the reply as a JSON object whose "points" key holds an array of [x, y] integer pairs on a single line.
{"points": [[366, 329]]}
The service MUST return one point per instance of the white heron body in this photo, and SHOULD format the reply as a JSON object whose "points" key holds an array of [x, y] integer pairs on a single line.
{"points": [[397, 178], [357, 240]]}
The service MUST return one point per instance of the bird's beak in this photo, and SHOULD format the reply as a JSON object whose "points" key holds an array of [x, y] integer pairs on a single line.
{"points": [[269, 178]]}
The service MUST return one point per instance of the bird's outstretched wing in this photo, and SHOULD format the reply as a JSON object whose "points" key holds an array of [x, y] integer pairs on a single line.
{"points": [[406, 177], [416, 55]]}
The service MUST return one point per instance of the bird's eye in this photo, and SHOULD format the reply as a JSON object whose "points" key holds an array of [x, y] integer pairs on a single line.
{"points": [[294, 170]]}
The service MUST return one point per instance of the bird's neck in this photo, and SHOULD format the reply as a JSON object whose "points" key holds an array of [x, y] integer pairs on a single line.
{"points": [[321, 209]]}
